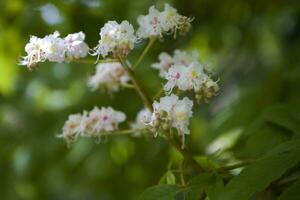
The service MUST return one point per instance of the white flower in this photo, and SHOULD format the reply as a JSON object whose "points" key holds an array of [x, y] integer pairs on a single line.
{"points": [[115, 38], [156, 23], [185, 58], [91, 124], [172, 21], [185, 77], [179, 58], [103, 120], [164, 64], [150, 25], [111, 75], [184, 72], [53, 47], [73, 127], [75, 46], [171, 112], [142, 119], [181, 115], [34, 52]]}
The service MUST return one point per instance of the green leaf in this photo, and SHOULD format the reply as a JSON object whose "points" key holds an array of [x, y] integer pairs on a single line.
{"points": [[258, 176], [170, 177], [292, 193], [209, 183], [160, 192], [197, 186], [261, 139], [287, 116], [292, 145], [214, 189]]}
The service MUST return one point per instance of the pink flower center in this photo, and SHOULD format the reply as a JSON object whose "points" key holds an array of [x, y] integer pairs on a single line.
{"points": [[154, 22], [105, 118]]}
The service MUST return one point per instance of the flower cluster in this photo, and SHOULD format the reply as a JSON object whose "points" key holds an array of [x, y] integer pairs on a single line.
{"points": [[157, 23], [115, 38], [54, 48], [171, 112], [182, 71], [110, 75], [166, 61], [186, 73], [97, 122]]}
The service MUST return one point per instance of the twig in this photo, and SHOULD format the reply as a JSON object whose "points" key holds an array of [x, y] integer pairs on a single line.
{"points": [[186, 154], [145, 51], [147, 101]]}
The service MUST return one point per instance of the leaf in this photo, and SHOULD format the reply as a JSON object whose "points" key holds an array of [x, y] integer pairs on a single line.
{"points": [[214, 189], [160, 192], [292, 193], [170, 177], [292, 145], [210, 183], [197, 186], [287, 116], [258, 176], [260, 140]]}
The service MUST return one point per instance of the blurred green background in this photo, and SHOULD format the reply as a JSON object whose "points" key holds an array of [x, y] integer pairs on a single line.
{"points": [[252, 47]]}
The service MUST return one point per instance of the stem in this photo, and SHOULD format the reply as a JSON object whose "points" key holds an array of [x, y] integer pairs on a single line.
{"points": [[147, 101], [186, 154], [121, 132], [89, 61], [235, 166], [145, 51], [161, 90], [128, 85]]}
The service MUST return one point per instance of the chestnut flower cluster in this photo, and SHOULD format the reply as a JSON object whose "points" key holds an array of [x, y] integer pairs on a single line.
{"points": [[172, 112], [108, 75], [95, 123], [157, 23], [115, 38], [54, 48], [182, 71]]}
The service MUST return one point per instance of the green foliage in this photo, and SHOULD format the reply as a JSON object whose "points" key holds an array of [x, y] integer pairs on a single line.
{"points": [[256, 177], [292, 193], [163, 192], [287, 116], [209, 183]]}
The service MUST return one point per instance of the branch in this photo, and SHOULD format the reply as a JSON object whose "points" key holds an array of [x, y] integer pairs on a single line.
{"points": [[89, 61], [147, 101], [145, 51], [186, 154]]}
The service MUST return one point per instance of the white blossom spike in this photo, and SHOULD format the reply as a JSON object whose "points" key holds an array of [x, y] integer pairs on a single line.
{"points": [[171, 112], [75, 46], [109, 75], [115, 38]]}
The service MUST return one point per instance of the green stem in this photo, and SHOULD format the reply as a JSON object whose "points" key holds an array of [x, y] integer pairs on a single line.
{"points": [[161, 90], [147, 101], [128, 85], [89, 61], [186, 154], [121, 132], [145, 51]]}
